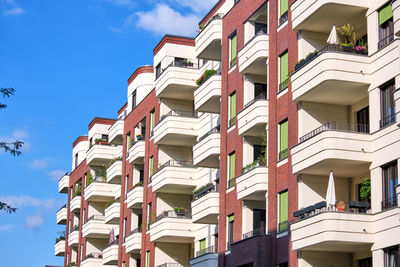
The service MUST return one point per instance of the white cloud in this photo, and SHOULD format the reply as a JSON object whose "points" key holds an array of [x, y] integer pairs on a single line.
{"points": [[197, 6], [55, 175], [14, 11], [116, 30], [163, 19], [11, 8], [121, 2], [27, 201], [33, 221], [38, 164], [6, 227]]}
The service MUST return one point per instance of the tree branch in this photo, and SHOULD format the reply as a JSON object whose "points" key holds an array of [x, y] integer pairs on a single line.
{"points": [[7, 92], [14, 148], [7, 208]]}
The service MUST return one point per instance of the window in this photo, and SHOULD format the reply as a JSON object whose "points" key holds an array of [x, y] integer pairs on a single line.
{"points": [[388, 114], [149, 206], [283, 140], [151, 167], [152, 121], [392, 257], [81, 252], [283, 71], [260, 28], [125, 234], [260, 91], [283, 211], [128, 142], [147, 258], [283, 11], [141, 176], [386, 28], [259, 221], [233, 49], [365, 262], [258, 152], [202, 246], [134, 100], [390, 181], [284, 264], [158, 70], [104, 137], [231, 220], [76, 160], [126, 186], [231, 170], [232, 110]]}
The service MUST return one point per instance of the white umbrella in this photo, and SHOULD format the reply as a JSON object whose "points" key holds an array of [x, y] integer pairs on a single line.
{"points": [[331, 193], [333, 39], [112, 236]]}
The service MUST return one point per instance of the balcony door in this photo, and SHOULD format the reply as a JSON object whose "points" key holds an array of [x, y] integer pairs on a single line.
{"points": [[390, 181], [259, 220], [363, 120]]}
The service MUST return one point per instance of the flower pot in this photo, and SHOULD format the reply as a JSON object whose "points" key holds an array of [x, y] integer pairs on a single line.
{"points": [[341, 206]]}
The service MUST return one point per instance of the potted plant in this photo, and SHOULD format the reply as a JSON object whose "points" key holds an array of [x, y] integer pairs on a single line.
{"points": [[180, 211], [139, 137], [365, 189], [99, 141]]}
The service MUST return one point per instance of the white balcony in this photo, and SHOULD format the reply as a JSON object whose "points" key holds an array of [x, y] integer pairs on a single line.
{"points": [[102, 154], [177, 128], [73, 238], [177, 81], [207, 150], [207, 96], [208, 42], [319, 16], [92, 262], [114, 173], [62, 215], [253, 119], [205, 260], [110, 255], [112, 213], [327, 148], [253, 56], [332, 78], [253, 184], [172, 228], [133, 242], [100, 191], [63, 184], [115, 133], [96, 227], [134, 198], [174, 177], [75, 204], [137, 152], [333, 231], [205, 208], [59, 248]]}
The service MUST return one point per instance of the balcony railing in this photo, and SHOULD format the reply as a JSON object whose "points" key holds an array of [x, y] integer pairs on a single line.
{"points": [[179, 113], [94, 256], [385, 41], [172, 264], [283, 18], [218, 72], [283, 85], [173, 214], [388, 120], [262, 96], [74, 228], [255, 232], [115, 242], [216, 129], [389, 203], [134, 231], [283, 154], [336, 126], [283, 226], [175, 163], [212, 249], [205, 190], [260, 162], [96, 218], [179, 64], [215, 17]]}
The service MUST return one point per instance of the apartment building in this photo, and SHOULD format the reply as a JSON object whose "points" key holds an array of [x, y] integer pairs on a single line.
{"points": [[225, 148]]}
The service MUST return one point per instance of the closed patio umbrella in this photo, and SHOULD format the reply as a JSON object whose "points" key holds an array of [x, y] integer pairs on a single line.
{"points": [[331, 192], [333, 38], [112, 236]]}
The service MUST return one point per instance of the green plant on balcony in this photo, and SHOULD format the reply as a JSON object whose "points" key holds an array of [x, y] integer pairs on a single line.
{"points": [[365, 189], [89, 179], [305, 60], [111, 162], [138, 184], [78, 189], [109, 203], [100, 141], [348, 35], [205, 76], [61, 236], [71, 264], [202, 190], [180, 211]]}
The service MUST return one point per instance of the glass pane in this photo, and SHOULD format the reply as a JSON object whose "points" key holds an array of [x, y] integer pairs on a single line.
{"points": [[284, 7], [283, 136], [284, 71], [283, 207], [232, 166]]}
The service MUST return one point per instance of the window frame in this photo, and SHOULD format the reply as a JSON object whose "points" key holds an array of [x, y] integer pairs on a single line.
{"points": [[232, 60]]}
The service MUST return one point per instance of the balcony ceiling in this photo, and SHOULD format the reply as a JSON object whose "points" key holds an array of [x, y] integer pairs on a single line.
{"points": [[336, 246], [340, 168]]}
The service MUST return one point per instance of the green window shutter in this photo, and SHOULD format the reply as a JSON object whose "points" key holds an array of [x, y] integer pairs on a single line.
{"points": [[284, 7], [233, 106], [385, 14], [283, 207], [233, 47], [283, 142], [284, 71], [148, 259], [202, 244], [231, 218], [232, 166], [151, 166]]}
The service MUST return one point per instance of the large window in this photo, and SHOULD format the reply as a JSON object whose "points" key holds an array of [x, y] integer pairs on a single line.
{"points": [[283, 71], [231, 220], [386, 28], [388, 114], [232, 110], [231, 169], [283, 11], [283, 140], [283, 210], [232, 49], [392, 257], [390, 181]]}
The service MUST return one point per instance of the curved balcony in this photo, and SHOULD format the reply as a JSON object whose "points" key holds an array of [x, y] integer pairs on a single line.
{"points": [[101, 154], [95, 227], [176, 128], [335, 75], [63, 184], [207, 149], [253, 56], [100, 191], [133, 242], [253, 183], [73, 237], [207, 96], [114, 173], [319, 16], [208, 41], [112, 213], [205, 206], [75, 204], [62, 215], [173, 227], [177, 81], [93, 260], [175, 177], [59, 248], [253, 119], [137, 152], [110, 254], [134, 198], [342, 147], [115, 133]]}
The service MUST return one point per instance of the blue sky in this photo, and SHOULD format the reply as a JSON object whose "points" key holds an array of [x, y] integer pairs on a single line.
{"points": [[69, 61]]}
